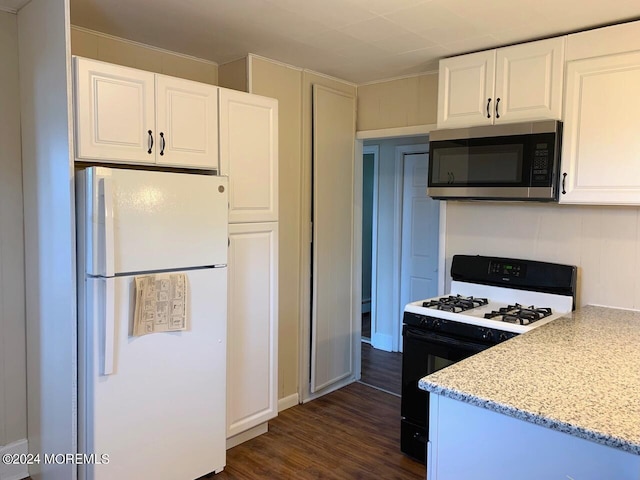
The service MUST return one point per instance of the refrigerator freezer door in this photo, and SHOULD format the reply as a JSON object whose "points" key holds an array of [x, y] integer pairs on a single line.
{"points": [[154, 220], [161, 414]]}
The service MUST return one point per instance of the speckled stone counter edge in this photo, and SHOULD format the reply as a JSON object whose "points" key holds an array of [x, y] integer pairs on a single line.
{"points": [[537, 419]]}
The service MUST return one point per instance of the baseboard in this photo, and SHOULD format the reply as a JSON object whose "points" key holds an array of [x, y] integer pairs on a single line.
{"points": [[288, 402], [382, 342], [247, 435], [14, 472]]}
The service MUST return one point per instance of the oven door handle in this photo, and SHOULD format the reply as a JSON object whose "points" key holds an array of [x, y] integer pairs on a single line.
{"points": [[423, 336]]}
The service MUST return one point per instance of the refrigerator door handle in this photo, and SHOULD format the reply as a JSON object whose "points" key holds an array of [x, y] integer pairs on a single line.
{"points": [[109, 326], [107, 219]]}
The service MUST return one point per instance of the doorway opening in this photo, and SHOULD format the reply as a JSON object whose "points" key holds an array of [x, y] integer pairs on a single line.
{"points": [[369, 234], [400, 257]]}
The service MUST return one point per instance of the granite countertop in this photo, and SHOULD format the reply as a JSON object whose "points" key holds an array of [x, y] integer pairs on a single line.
{"points": [[579, 374]]}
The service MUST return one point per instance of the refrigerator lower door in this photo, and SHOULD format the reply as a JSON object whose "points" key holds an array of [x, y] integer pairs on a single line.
{"points": [[160, 414]]}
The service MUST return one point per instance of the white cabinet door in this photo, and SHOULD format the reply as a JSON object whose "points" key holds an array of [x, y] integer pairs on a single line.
{"points": [[187, 123], [114, 112], [333, 309], [465, 90], [249, 155], [511, 84], [462, 439], [252, 326], [125, 115], [601, 144], [529, 81]]}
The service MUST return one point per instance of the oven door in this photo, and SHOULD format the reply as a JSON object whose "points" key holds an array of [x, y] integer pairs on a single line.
{"points": [[425, 352]]}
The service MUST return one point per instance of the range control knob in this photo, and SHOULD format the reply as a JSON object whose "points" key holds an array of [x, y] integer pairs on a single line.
{"points": [[487, 335], [502, 337], [436, 323]]}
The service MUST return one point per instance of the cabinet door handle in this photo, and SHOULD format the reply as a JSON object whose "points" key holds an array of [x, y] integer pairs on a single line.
{"points": [[497, 104], [163, 143], [150, 142], [564, 178], [488, 104]]}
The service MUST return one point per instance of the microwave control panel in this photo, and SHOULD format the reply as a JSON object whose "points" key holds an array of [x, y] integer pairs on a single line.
{"points": [[542, 162]]}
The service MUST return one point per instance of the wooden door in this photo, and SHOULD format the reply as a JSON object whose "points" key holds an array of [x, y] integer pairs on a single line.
{"points": [[420, 233], [114, 113], [601, 140], [465, 95], [333, 307], [187, 123], [252, 329], [529, 81], [249, 155]]}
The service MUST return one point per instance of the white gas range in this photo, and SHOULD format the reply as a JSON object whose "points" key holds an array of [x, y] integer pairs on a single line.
{"points": [[500, 308], [491, 300]]}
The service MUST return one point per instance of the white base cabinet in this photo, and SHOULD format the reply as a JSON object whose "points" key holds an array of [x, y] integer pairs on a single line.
{"points": [[466, 441], [252, 345], [511, 84], [601, 145], [125, 115]]}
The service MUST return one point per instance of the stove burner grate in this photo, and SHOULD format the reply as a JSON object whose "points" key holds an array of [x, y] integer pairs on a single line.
{"points": [[455, 304], [519, 314]]}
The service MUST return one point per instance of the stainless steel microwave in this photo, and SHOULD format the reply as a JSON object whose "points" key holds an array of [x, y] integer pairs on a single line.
{"points": [[519, 161]]}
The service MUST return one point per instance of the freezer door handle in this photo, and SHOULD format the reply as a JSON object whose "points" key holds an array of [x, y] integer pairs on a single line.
{"points": [[109, 325], [107, 219]]}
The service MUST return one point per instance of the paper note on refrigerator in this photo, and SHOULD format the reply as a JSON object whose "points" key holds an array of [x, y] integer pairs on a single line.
{"points": [[161, 303]]}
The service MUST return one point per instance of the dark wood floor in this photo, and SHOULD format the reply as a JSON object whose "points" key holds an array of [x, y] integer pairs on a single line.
{"points": [[382, 369], [366, 325], [353, 433]]}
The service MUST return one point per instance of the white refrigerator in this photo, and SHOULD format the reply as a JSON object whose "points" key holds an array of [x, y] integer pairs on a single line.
{"points": [[154, 405]]}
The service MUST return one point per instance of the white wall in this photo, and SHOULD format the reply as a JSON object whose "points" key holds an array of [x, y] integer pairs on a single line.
{"points": [[13, 408], [45, 79], [386, 319], [604, 242], [107, 48]]}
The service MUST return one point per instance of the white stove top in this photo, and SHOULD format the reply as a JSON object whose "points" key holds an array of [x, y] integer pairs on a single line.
{"points": [[498, 297]]}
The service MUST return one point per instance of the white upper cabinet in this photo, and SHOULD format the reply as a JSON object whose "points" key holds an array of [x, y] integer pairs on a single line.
{"points": [[465, 90], [601, 144], [506, 85], [125, 115], [529, 81], [249, 155], [114, 112], [187, 123]]}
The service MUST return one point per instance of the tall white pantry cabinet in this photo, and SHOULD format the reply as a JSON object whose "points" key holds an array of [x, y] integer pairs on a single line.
{"points": [[249, 156]]}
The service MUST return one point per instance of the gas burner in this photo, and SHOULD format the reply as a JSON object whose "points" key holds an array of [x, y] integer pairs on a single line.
{"points": [[455, 304], [518, 314]]}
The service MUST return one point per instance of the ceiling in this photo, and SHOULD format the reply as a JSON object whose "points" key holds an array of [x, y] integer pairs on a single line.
{"points": [[356, 40]]}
